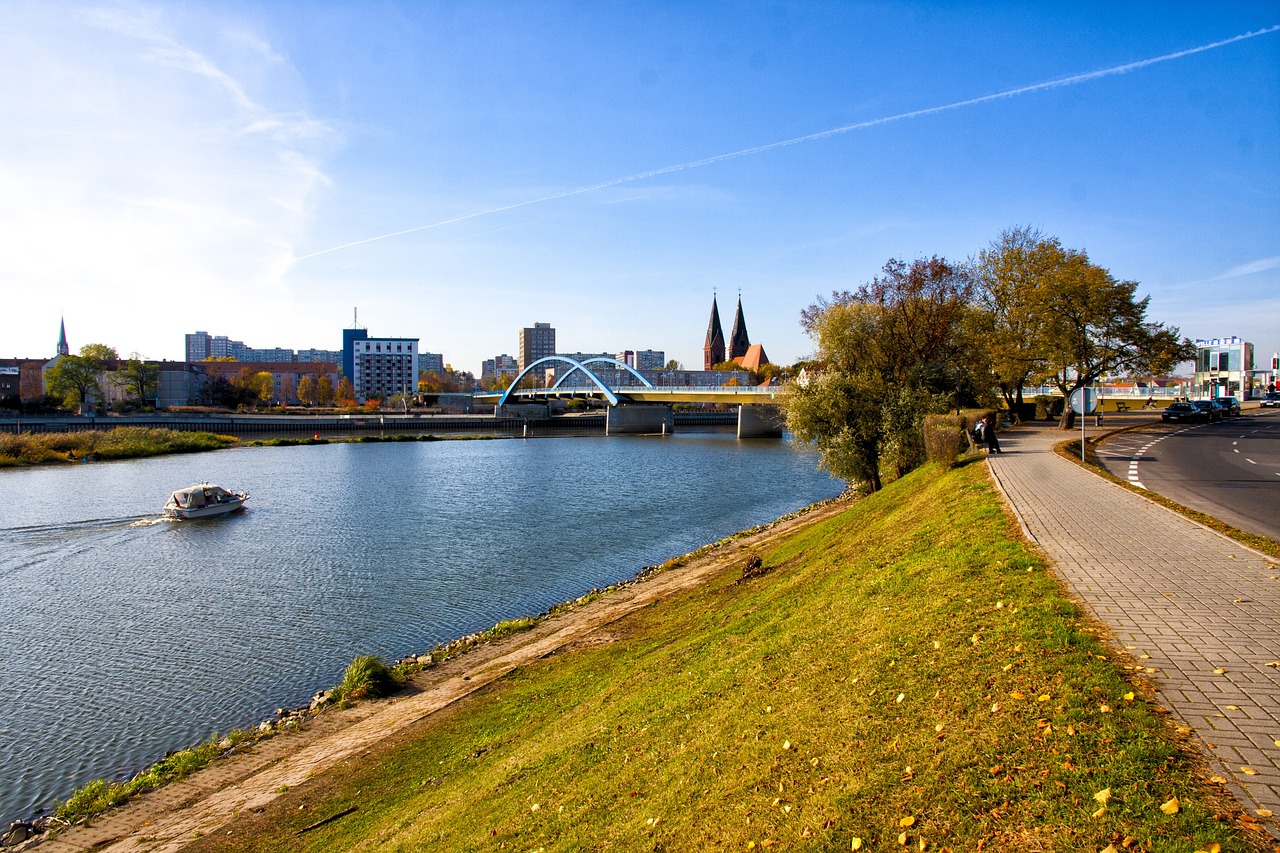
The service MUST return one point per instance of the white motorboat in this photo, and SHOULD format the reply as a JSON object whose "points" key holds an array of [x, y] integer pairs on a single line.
{"points": [[203, 501]]}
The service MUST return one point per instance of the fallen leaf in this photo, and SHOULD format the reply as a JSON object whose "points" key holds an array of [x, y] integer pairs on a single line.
{"points": [[1184, 730], [902, 839], [1104, 708], [909, 820], [1170, 806], [1219, 671], [1016, 695], [1128, 697], [936, 645], [1071, 730], [1110, 848], [856, 844], [1101, 810], [1233, 707], [1212, 847], [786, 744], [1007, 667], [1217, 780], [1043, 697], [995, 706], [1248, 771], [938, 728], [901, 696], [1264, 813], [1103, 795], [534, 807]]}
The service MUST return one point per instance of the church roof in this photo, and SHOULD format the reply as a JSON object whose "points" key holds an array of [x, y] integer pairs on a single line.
{"points": [[715, 334], [739, 343], [753, 358]]}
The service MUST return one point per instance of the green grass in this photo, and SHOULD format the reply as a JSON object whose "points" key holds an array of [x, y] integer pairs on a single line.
{"points": [[906, 662], [120, 443]]}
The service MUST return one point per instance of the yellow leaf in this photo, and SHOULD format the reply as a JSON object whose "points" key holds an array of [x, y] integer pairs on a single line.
{"points": [[786, 744], [1170, 806], [1008, 667], [534, 807], [1071, 730], [856, 844], [1217, 780], [936, 645], [1043, 697], [938, 728], [1110, 848], [1219, 671], [1248, 771], [1264, 813], [1016, 695], [995, 706], [1128, 697], [920, 845], [1103, 795], [1184, 730], [907, 821], [1233, 707], [901, 696], [1213, 847], [902, 839], [1104, 708], [751, 845], [1101, 811]]}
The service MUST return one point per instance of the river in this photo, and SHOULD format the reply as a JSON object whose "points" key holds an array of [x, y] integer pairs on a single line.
{"points": [[123, 635]]}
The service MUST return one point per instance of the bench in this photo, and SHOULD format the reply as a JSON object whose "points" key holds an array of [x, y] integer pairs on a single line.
{"points": [[1122, 406]]}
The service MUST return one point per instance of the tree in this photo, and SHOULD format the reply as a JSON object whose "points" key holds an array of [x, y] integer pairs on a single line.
{"points": [[888, 354], [324, 390], [346, 393], [74, 378], [258, 387], [307, 390], [1057, 317], [673, 364], [141, 379], [287, 391]]}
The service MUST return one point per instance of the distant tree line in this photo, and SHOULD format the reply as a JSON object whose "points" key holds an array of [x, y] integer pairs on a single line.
{"points": [[931, 336]]}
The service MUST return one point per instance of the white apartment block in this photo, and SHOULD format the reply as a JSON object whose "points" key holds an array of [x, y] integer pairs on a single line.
{"points": [[385, 366]]}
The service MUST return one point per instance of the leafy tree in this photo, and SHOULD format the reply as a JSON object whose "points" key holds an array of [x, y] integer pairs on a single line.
{"points": [[674, 364], [888, 354], [324, 390], [141, 379], [286, 389], [230, 358], [1054, 316], [308, 393], [74, 378], [258, 387]]}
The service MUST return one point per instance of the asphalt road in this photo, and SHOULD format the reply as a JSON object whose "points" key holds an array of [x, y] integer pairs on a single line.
{"points": [[1229, 470]]}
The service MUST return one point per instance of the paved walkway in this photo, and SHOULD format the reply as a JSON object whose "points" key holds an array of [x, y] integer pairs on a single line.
{"points": [[1200, 611]]}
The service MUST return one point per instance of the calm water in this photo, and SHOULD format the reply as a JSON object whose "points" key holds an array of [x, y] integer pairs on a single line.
{"points": [[123, 636]]}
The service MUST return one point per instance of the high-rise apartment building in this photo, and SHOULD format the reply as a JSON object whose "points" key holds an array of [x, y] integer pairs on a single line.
{"points": [[650, 359], [384, 366], [538, 341]]}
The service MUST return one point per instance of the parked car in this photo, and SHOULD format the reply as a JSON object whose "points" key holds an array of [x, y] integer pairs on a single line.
{"points": [[1230, 405], [1210, 409], [1182, 413], [1272, 400]]}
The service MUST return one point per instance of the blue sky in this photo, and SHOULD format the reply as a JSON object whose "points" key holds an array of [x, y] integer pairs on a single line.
{"points": [[460, 170]]}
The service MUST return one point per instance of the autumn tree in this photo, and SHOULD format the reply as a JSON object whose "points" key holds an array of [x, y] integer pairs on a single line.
{"points": [[307, 391], [1056, 317], [888, 354], [325, 393]]}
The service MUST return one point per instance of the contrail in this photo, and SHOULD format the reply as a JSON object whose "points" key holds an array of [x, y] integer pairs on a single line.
{"points": [[1072, 80]]}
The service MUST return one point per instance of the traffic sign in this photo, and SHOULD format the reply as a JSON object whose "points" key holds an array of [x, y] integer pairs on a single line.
{"points": [[1084, 400]]}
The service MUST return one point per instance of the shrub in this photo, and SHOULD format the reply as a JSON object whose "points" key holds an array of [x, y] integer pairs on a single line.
{"points": [[367, 677], [945, 438]]}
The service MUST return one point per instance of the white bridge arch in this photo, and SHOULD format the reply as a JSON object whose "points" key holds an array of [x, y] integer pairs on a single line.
{"points": [[576, 366]]}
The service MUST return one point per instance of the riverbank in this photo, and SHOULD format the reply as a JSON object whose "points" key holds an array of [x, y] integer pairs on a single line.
{"points": [[903, 670], [47, 448]]}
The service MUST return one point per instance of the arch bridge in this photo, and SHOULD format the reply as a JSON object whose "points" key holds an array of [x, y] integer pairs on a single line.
{"points": [[643, 408]]}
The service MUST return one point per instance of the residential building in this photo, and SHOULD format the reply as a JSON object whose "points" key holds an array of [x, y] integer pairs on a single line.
{"points": [[650, 359], [384, 366], [314, 355], [349, 339], [431, 362], [536, 341], [499, 365]]}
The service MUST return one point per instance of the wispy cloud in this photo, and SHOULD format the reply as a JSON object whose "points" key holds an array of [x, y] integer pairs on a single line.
{"points": [[1072, 80], [135, 153], [1260, 265]]}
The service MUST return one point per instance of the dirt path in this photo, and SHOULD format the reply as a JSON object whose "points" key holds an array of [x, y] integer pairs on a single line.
{"points": [[166, 819]]}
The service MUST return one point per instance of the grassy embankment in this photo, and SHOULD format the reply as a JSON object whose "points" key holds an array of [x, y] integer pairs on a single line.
{"points": [[120, 443], [906, 673]]}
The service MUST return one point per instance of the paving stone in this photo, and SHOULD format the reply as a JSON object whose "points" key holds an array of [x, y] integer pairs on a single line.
{"points": [[1168, 587]]}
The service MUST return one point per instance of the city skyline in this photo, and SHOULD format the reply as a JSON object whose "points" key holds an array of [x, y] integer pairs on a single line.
{"points": [[462, 172]]}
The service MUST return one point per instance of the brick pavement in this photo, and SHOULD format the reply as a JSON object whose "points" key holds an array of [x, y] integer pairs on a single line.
{"points": [[1199, 609]]}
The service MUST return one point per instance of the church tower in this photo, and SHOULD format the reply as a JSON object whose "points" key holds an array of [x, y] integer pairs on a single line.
{"points": [[63, 349], [713, 349], [738, 340]]}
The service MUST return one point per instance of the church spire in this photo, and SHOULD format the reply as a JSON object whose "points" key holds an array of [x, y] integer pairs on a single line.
{"points": [[713, 349], [739, 343], [63, 349]]}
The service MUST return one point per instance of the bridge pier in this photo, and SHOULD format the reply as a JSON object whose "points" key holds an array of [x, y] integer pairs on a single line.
{"points": [[638, 420], [759, 421], [532, 411]]}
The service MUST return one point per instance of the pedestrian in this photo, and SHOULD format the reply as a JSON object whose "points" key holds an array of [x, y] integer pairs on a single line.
{"points": [[989, 433]]}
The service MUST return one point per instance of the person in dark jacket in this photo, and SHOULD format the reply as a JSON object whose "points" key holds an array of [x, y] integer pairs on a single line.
{"points": [[989, 434]]}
